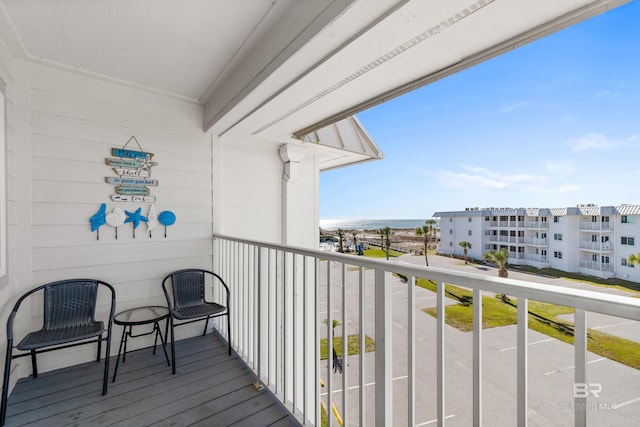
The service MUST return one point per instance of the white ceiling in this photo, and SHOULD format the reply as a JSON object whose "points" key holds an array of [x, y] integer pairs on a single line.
{"points": [[277, 68]]}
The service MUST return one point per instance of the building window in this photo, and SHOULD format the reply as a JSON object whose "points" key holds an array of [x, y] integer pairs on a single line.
{"points": [[469, 232], [486, 218], [605, 259], [627, 219], [543, 219], [450, 244], [557, 236], [605, 219], [451, 231], [469, 219], [557, 254], [594, 257], [556, 219], [630, 241]]}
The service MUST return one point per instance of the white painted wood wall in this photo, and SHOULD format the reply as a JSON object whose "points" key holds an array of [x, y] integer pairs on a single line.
{"points": [[62, 126]]}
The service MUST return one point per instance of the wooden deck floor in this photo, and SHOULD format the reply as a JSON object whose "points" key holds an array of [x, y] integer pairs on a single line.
{"points": [[210, 388]]}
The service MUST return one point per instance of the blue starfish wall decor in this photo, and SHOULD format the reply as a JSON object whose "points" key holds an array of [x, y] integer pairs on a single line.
{"points": [[135, 218]]}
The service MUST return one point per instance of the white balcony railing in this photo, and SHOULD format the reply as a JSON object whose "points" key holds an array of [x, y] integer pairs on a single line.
{"points": [[596, 266], [543, 225], [537, 241], [284, 301], [604, 226], [595, 246]]}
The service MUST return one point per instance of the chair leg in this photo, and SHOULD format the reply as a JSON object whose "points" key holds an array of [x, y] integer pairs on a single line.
{"points": [[229, 332], [5, 382], [34, 364], [206, 323], [173, 347], [107, 355], [99, 349]]}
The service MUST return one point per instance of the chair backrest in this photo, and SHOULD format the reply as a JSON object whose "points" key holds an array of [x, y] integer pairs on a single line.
{"points": [[69, 303], [188, 287]]}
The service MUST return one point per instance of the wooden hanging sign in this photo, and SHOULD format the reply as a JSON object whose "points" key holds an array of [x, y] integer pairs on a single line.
{"points": [[139, 191], [131, 154], [123, 163], [132, 172], [133, 198], [134, 182]]}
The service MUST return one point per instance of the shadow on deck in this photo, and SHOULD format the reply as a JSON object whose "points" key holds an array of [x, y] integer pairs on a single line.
{"points": [[210, 388]]}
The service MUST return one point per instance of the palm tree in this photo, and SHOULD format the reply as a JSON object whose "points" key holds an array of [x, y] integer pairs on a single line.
{"points": [[340, 237], [465, 246], [386, 232], [634, 258], [424, 231], [355, 239], [427, 232], [499, 258]]}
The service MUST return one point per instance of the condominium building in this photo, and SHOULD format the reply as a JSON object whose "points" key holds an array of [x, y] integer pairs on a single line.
{"points": [[588, 239]]}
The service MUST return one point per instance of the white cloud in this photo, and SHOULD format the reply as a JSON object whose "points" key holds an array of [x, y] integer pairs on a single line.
{"points": [[597, 141], [563, 166]]}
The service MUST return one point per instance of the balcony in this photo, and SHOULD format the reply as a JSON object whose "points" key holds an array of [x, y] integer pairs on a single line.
{"points": [[596, 266], [536, 241], [596, 226], [210, 388], [422, 371], [538, 225], [595, 246]]}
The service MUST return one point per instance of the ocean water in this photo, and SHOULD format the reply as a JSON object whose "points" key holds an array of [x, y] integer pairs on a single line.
{"points": [[370, 224]]}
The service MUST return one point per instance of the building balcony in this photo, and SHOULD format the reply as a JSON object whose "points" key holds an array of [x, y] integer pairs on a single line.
{"points": [[535, 241], [595, 226], [537, 225], [422, 371], [596, 266], [595, 246], [419, 370], [536, 258]]}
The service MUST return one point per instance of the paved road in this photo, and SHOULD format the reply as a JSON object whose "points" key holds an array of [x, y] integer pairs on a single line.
{"points": [[550, 364]]}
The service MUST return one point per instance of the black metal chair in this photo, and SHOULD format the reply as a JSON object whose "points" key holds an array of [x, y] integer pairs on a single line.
{"points": [[68, 320], [188, 304]]}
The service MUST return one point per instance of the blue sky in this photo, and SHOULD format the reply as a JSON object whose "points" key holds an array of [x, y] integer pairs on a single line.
{"points": [[554, 123]]}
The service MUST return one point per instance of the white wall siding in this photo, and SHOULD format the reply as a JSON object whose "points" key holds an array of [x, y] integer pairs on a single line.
{"points": [[76, 121]]}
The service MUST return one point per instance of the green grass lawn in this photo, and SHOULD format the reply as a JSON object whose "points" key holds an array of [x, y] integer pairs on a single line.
{"points": [[353, 345], [544, 320], [380, 253]]}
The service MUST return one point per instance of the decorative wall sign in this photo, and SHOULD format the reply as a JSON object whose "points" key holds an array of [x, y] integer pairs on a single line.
{"points": [[133, 168], [118, 217]]}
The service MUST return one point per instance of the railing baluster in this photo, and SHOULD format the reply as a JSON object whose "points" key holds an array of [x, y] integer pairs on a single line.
{"points": [[411, 352], [362, 343], [345, 346], [329, 345], [384, 348], [477, 357], [580, 359], [523, 356], [440, 378], [316, 343]]}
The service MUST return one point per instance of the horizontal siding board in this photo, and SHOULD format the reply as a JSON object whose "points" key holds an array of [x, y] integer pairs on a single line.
{"points": [[127, 274], [78, 235], [98, 111], [104, 254], [65, 83]]}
